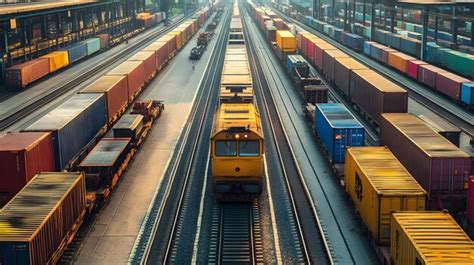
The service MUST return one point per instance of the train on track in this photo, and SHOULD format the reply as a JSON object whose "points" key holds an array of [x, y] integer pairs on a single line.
{"points": [[66, 164], [237, 138], [414, 175]]}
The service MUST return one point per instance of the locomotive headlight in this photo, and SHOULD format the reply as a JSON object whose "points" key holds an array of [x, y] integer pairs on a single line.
{"points": [[237, 136], [246, 136]]}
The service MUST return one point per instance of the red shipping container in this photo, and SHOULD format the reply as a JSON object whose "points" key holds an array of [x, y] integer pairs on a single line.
{"points": [[278, 22], [149, 61], [23, 74], [135, 73], [427, 74], [310, 49], [450, 84], [22, 156], [437, 164], [318, 53], [116, 92], [470, 200], [104, 40], [413, 68]]}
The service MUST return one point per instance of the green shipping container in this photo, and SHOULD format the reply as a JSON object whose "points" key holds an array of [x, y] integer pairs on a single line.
{"points": [[459, 62]]}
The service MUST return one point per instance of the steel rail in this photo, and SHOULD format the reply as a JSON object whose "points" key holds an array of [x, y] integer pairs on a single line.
{"points": [[209, 79], [290, 187]]}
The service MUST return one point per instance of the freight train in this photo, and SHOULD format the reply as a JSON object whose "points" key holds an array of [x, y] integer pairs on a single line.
{"points": [[237, 141], [391, 186], [44, 211], [401, 53]]}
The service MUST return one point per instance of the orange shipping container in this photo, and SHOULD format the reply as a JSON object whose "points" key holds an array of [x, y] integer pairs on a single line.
{"points": [[135, 73], [57, 60], [149, 61], [399, 61]]}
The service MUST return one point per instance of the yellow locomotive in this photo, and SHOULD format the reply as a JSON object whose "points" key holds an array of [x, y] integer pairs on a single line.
{"points": [[237, 152], [237, 139]]}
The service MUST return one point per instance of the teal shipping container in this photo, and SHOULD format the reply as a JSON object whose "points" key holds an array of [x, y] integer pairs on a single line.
{"points": [[459, 62], [93, 45]]}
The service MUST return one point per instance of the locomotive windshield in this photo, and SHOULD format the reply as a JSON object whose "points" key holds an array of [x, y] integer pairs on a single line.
{"points": [[249, 148], [226, 148]]}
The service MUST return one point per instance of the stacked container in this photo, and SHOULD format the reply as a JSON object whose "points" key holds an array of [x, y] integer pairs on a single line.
{"points": [[379, 184], [337, 129], [286, 41]]}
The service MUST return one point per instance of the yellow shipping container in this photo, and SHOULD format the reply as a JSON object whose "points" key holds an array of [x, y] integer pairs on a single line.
{"points": [[429, 238], [57, 60], [179, 38], [378, 184], [286, 41]]}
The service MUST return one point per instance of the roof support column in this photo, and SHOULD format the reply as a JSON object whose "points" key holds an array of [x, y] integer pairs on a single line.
{"points": [[454, 24], [436, 28], [392, 18], [372, 21], [424, 36]]}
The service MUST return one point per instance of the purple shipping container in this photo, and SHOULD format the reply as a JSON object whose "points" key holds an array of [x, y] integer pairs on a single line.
{"points": [[437, 164], [450, 84]]}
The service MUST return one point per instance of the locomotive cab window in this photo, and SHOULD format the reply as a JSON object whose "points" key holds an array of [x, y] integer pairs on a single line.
{"points": [[226, 148], [249, 148]]}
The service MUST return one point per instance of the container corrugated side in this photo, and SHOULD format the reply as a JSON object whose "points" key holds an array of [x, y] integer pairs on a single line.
{"points": [[23, 74], [328, 61], [337, 129], [378, 184], [438, 165], [286, 41], [73, 125], [343, 70], [115, 89], [135, 73], [149, 62], [93, 45], [57, 60], [470, 200], [76, 51], [375, 94], [450, 84], [22, 156], [429, 238], [50, 208], [467, 93]]}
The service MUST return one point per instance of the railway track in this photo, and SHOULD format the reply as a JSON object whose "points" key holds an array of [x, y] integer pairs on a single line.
{"points": [[237, 238], [162, 243], [313, 244], [459, 116], [61, 89]]}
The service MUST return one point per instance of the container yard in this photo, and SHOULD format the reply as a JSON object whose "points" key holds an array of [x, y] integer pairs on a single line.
{"points": [[236, 132]]}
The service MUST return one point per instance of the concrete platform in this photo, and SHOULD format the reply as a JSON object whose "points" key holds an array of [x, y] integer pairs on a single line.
{"points": [[112, 237]]}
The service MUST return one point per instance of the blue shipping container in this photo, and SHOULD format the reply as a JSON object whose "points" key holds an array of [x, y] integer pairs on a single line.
{"points": [[367, 48], [337, 129], [467, 93], [73, 124], [76, 51], [295, 59], [93, 45], [354, 41]]}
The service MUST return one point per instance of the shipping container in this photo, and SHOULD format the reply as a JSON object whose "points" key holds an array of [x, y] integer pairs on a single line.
{"points": [[178, 39], [171, 43], [438, 165], [427, 74], [22, 156], [413, 68], [319, 51], [470, 200], [450, 84], [93, 45], [467, 93], [135, 73], [57, 60], [379, 184], [149, 62], [337, 129], [342, 72], [24, 74], [286, 41], [102, 162], [39, 222], [76, 51], [374, 94], [428, 238], [73, 124], [161, 50], [399, 61], [444, 128], [129, 126], [115, 90], [104, 40], [328, 61], [354, 41]]}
